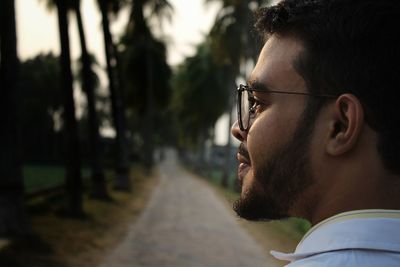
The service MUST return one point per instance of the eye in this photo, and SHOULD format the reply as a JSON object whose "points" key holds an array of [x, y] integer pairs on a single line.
{"points": [[256, 106]]}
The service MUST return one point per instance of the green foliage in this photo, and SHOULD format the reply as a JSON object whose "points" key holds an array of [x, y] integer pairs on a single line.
{"points": [[51, 4], [302, 225], [147, 88], [39, 78], [144, 65], [232, 36], [102, 101], [146, 74], [200, 95], [144, 60], [93, 75], [160, 9], [114, 6], [40, 107]]}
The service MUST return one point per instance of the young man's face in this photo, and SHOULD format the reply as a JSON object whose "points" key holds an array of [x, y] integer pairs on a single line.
{"points": [[274, 155]]}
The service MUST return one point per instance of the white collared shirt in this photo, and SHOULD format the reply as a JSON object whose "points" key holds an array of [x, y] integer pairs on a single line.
{"points": [[368, 238]]}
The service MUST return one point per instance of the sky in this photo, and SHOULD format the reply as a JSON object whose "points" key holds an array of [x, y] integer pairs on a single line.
{"points": [[37, 28], [37, 33]]}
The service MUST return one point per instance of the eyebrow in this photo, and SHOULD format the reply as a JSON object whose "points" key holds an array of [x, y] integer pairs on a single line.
{"points": [[257, 86]]}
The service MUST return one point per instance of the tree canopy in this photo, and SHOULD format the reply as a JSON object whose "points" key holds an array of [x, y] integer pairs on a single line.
{"points": [[200, 95]]}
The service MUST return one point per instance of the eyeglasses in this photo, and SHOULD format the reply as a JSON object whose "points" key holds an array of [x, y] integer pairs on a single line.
{"points": [[247, 104]]}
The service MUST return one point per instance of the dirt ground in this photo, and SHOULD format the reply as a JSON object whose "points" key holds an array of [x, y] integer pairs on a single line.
{"points": [[186, 224], [66, 242], [87, 242]]}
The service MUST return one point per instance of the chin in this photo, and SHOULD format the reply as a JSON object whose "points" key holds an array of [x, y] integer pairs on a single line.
{"points": [[253, 210], [256, 204]]}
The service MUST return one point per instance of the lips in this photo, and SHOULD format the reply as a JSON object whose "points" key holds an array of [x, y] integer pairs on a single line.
{"points": [[242, 150], [244, 162]]}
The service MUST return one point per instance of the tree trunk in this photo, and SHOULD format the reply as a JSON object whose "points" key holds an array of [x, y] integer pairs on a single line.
{"points": [[99, 189], [13, 217], [148, 129], [73, 158], [122, 181]]}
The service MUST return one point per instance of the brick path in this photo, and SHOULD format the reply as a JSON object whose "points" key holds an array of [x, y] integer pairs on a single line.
{"points": [[186, 225]]}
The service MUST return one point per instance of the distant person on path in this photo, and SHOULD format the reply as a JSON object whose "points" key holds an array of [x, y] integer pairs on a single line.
{"points": [[318, 122]]}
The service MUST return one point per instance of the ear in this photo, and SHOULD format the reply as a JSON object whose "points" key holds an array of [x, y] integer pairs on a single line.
{"points": [[346, 125]]}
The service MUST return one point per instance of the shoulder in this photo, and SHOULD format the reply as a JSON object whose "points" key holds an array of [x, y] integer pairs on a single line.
{"points": [[350, 257]]}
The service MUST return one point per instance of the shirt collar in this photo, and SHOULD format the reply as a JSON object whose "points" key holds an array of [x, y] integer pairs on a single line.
{"points": [[360, 229]]}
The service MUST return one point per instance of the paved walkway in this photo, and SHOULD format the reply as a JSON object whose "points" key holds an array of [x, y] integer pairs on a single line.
{"points": [[186, 225]]}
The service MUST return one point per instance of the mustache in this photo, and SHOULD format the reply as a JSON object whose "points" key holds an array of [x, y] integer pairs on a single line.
{"points": [[243, 151]]}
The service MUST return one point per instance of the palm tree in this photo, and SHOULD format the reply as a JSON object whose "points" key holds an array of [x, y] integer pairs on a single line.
{"points": [[122, 181], [233, 47], [73, 160], [99, 189], [13, 217], [145, 59], [192, 84]]}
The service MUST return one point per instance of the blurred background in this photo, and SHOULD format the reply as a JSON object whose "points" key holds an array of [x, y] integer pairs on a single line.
{"points": [[94, 91]]}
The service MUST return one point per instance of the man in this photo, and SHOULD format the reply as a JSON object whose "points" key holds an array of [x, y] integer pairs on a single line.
{"points": [[319, 129]]}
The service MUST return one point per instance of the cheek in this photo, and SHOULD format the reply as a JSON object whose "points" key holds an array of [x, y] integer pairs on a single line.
{"points": [[266, 134], [252, 185]]}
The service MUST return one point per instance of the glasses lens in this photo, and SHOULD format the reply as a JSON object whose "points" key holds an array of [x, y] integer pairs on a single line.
{"points": [[244, 109]]}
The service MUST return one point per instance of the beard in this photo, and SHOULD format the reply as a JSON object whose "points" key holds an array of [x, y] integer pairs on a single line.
{"points": [[283, 178]]}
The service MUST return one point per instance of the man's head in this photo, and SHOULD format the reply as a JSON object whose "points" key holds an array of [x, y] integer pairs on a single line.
{"points": [[296, 143]]}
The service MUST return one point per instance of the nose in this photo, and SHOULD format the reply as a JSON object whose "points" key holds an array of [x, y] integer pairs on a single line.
{"points": [[237, 133]]}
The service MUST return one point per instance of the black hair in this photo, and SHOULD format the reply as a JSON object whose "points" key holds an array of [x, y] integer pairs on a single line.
{"points": [[350, 46]]}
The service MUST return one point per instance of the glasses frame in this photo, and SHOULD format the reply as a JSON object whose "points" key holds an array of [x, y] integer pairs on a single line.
{"points": [[247, 88]]}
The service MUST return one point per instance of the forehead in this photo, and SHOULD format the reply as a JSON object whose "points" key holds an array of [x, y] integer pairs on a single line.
{"points": [[275, 66]]}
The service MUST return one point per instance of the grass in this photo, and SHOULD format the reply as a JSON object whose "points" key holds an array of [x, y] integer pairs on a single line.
{"points": [[38, 177], [67, 242]]}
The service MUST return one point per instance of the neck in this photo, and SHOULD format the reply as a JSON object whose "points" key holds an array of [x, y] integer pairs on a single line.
{"points": [[359, 181]]}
